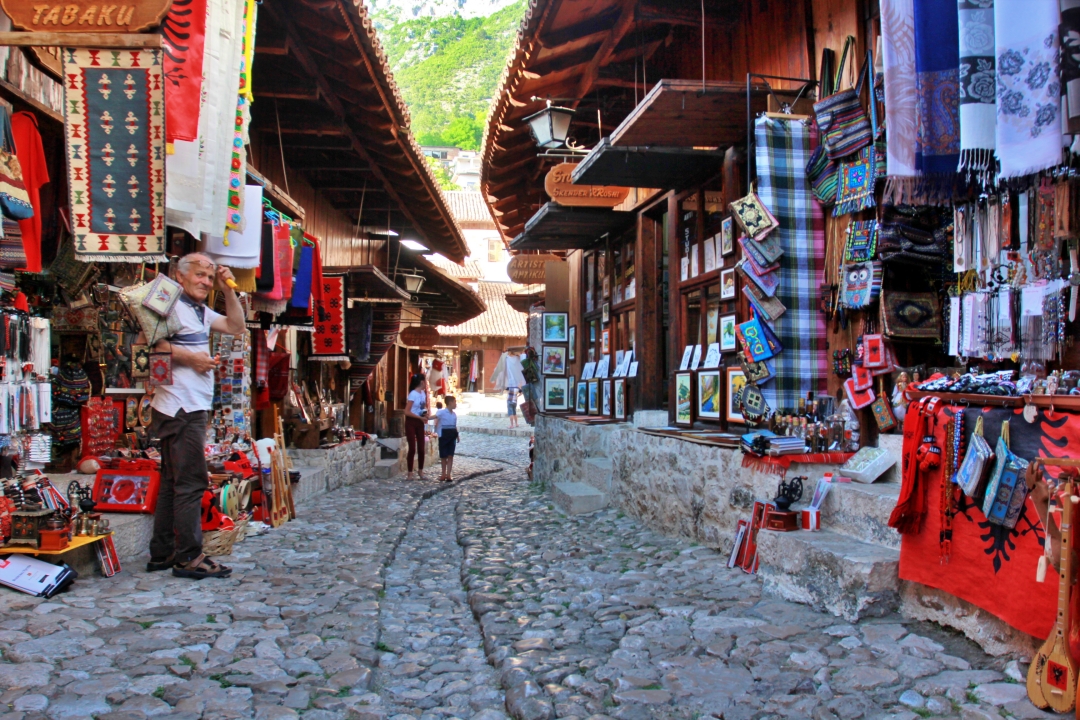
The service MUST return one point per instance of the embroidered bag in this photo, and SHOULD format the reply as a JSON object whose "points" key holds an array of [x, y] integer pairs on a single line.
{"points": [[860, 284], [160, 369], [14, 199], [845, 129], [858, 398], [1005, 481], [769, 307], [752, 403], [765, 254], [910, 316], [969, 476], [900, 242], [154, 326], [861, 243], [162, 294], [823, 175], [754, 218]]}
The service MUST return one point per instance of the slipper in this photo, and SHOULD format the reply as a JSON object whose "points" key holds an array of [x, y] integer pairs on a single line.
{"points": [[199, 568], [157, 565]]}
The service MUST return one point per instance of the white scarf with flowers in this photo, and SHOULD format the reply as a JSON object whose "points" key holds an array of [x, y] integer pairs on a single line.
{"points": [[978, 112]]}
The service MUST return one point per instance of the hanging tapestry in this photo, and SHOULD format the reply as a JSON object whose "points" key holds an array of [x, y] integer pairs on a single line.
{"points": [[328, 341], [783, 148], [241, 249], [898, 51], [358, 331], [986, 557], [301, 296], [238, 163], [114, 123], [937, 83], [385, 323], [183, 37], [1028, 86], [978, 112]]}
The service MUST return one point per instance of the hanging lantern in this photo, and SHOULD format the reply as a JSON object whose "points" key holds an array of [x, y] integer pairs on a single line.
{"points": [[529, 269], [550, 126]]}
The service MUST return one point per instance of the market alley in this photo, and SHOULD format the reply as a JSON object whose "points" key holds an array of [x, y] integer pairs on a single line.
{"points": [[400, 600]]}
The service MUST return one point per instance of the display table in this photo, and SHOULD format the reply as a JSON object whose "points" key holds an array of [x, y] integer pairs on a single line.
{"points": [[76, 542]]}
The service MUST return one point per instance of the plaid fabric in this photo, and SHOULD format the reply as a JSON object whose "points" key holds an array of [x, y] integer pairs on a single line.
{"points": [[783, 149], [262, 359]]}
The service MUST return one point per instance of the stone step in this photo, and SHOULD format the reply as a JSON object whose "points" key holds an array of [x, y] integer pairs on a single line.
{"points": [[861, 512], [385, 469], [829, 571], [575, 498], [598, 473], [522, 432]]}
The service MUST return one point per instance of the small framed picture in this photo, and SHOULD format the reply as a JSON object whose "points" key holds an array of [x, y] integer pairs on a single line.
{"points": [[605, 345], [571, 353], [727, 238], [594, 397], [736, 381], [605, 313], [727, 333], [708, 394], [556, 327], [556, 394], [605, 405], [570, 395], [619, 390], [727, 284], [554, 360], [684, 398], [581, 405]]}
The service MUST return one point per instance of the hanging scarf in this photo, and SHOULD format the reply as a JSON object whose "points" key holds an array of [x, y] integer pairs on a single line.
{"points": [[1069, 37], [898, 51], [978, 113], [937, 63], [1029, 87]]}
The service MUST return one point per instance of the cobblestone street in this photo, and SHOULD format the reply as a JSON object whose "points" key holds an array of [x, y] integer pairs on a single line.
{"points": [[390, 599]]}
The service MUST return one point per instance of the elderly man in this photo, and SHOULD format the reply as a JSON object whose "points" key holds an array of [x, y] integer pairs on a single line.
{"points": [[180, 419]]}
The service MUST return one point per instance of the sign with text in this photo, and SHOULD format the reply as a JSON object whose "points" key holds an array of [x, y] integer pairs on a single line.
{"points": [[561, 190], [84, 16]]}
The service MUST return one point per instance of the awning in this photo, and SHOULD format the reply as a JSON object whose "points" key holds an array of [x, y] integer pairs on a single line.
{"points": [[683, 113], [522, 302], [668, 168], [369, 282], [556, 227]]}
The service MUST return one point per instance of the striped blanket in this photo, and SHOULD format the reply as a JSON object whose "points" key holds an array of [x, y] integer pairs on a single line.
{"points": [[783, 147]]}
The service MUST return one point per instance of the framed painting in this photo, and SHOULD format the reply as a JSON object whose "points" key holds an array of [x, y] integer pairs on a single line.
{"points": [[605, 403], [708, 395], [554, 360], [581, 403], [571, 352], [605, 313], [556, 394], [727, 284], [619, 390], [684, 398], [727, 333], [736, 381], [556, 327], [727, 238], [594, 397], [605, 345]]}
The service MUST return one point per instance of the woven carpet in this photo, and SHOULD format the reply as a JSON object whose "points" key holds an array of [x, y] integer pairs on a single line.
{"points": [[783, 147], [328, 341], [385, 324], [115, 131]]}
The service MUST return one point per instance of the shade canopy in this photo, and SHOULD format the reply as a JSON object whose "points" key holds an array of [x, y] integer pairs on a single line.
{"points": [[556, 227], [667, 168]]}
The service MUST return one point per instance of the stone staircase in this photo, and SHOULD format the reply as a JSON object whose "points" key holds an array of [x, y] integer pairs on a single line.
{"points": [[850, 567]]}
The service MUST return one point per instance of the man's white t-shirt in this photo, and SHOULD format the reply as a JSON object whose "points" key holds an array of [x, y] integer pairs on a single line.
{"points": [[191, 391]]}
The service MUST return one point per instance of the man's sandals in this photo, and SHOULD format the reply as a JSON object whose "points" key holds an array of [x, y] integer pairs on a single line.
{"points": [[199, 568]]}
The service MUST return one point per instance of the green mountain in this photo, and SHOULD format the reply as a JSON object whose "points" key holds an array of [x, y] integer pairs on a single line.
{"points": [[448, 68]]}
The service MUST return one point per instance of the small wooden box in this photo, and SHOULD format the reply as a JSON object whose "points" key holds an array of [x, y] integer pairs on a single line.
{"points": [[54, 540], [782, 521]]}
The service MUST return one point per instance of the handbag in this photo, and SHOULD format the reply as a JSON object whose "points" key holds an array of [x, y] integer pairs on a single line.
{"points": [[14, 199], [754, 218], [860, 284], [154, 326], [910, 316], [901, 242], [823, 175], [160, 369], [861, 242], [162, 294], [1004, 482], [841, 117]]}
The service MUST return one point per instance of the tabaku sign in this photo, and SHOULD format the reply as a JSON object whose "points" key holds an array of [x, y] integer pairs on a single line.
{"points": [[560, 189], [83, 16]]}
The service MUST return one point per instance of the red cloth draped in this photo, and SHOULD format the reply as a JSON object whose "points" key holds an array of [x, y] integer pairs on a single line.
{"points": [[183, 41], [31, 156]]}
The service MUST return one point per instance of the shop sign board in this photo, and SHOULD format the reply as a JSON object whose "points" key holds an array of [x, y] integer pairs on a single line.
{"points": [[559, 188], [86, 16]]}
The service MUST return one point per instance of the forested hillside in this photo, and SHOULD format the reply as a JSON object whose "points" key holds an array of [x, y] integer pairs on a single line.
{"points": [[447, 69]]}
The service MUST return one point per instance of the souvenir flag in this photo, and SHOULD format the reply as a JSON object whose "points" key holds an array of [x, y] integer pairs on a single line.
{"points": [[114, 103], [183, 42]]}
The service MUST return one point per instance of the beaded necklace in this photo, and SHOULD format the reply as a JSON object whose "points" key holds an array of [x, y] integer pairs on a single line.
{"points": [[954, 433]]}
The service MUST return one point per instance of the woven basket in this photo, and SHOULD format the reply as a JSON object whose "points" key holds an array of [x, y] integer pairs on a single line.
{"points": [[220, 542]]}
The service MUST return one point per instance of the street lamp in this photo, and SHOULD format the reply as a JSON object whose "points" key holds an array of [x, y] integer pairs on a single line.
{"points": [[413, 282], [550, 126]]}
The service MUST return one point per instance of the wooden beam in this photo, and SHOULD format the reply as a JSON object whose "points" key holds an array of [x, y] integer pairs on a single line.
{"points": [[62, 39], [264, 48], [287, 94], [618, 32], [595, 25]]}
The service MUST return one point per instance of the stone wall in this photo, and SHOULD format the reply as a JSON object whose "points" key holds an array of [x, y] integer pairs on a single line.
{"points": [[674, 486], [345, 464]]}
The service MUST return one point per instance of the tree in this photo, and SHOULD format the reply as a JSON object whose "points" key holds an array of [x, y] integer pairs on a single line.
{"points": [[442, 175]]}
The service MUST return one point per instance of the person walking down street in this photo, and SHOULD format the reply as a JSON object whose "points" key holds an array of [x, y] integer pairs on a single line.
{"points": [[416, 414], [446, 429], [180, 413], [511, 406]]}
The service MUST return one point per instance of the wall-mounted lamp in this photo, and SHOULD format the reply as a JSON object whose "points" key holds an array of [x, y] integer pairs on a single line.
{"points": [[551, 126]]}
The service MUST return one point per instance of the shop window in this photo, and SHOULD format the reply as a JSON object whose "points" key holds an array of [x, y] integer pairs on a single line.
{"points": [[494, 250]]}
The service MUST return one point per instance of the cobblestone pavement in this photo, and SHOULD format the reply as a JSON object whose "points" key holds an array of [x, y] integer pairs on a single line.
{"points": [[398, 600], [488, 425]]}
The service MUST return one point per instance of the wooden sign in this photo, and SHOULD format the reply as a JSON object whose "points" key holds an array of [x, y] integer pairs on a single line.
{"points": [[561, 190], [86, 16], [421, 336], [529, 269]]}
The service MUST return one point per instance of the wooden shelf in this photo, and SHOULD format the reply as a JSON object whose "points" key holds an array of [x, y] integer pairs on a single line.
{"points": [[76, 542], [20, 96]]}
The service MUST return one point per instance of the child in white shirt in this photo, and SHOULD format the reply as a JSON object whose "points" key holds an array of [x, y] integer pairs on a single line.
{"points": [[446, 428]]}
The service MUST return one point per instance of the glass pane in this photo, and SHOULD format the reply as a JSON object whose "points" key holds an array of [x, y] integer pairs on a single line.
{"points": [[712, 314], [692, 324]]}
